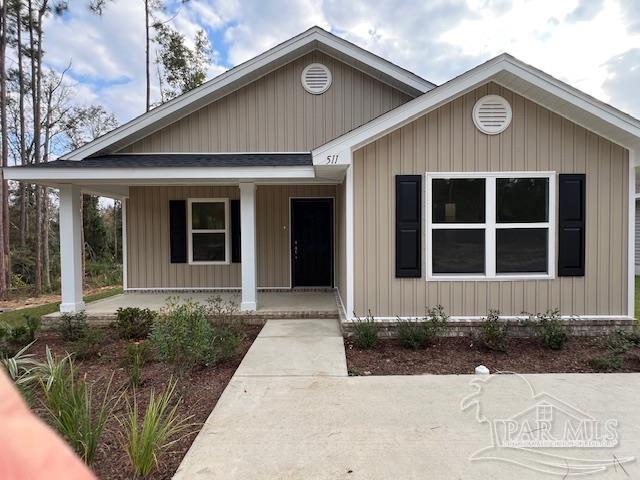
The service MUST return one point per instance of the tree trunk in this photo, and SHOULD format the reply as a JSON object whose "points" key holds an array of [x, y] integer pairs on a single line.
{"points": [[46, 270], [36, 96], [146, 52], [4, 242], [23, 149]]}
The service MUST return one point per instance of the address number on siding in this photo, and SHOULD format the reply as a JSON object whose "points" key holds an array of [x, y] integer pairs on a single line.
{"points": [[332, 159]]}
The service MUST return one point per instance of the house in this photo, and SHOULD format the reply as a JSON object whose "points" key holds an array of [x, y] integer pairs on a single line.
{"points": [[319, 164]]}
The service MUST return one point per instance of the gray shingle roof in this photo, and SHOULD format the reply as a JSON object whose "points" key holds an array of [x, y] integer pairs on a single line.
{"points": [[186, 160]]}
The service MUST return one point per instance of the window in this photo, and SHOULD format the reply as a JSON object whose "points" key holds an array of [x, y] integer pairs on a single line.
{"points": [[495, 226], [208, 230]]}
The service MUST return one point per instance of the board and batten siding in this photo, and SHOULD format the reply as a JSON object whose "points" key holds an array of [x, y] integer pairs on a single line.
{"points": [[341, 241], [148, 260], [447, 140], [275, 113]]}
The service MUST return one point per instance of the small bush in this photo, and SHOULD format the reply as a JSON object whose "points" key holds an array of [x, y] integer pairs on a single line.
{"points": [[184, 337], [493, 333], [88, 345], [14, 338], [549, 327], [606, 363], [72, 326], [412, 333], [226, 340], [618, 344], [436, 321], [221, 311], [136, 356], [365, 332], [70, 405], [144, 439], [134, 323]]}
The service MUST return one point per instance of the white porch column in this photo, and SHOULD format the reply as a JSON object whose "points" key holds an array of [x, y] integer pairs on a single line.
{"points": [[70, 249], [248, 245]]}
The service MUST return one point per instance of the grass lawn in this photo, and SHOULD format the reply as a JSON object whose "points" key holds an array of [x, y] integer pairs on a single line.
{"points": [[16, 316]]}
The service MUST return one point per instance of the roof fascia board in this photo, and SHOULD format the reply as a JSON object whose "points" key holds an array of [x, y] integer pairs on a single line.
{"points": [[155, 173], [404, 114], [236, 74]]}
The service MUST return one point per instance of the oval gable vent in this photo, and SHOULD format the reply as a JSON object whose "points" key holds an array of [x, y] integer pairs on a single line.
{"points": [[492, 114], [316, 78]]}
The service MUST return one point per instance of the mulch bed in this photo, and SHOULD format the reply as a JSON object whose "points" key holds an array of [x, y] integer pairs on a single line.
{"points": [[199, 389], [459, 355]]}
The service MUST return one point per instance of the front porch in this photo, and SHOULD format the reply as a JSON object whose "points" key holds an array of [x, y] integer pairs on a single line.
{"points": [[248, 223], [290, 304]]}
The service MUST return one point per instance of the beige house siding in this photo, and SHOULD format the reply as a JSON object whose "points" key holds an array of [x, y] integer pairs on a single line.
{"points": [[148, 264], [275, 113], [341, 242], [447, 140]]}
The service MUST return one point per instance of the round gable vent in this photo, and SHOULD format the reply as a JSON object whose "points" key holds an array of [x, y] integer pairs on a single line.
{"points": [[492, 114], [316, 78]]}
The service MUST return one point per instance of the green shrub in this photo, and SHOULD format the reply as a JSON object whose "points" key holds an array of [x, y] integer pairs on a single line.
{"points": [[436, 321], [184, 337], [71, 408], [13, 338], [134, 323], [493, 332], [136, 357], [221, 311], [226, 340], [606, 362], [144, 439], [72, 326], [412, 333], [365, 332], [550, 328], [618, 344], [88, 345]]}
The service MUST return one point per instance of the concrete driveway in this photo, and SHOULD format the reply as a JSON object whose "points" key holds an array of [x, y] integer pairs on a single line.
{"points": [[290, 412]]}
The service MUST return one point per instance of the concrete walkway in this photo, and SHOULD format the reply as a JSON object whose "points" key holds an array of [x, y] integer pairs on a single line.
{"points": [[290, 412]]}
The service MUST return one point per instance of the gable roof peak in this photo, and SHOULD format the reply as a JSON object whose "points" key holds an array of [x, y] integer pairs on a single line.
{"points": [[314, 38]]}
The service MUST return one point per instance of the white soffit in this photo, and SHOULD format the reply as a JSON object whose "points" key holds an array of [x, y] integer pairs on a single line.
{"points": [[247, 72], [511, 73]]}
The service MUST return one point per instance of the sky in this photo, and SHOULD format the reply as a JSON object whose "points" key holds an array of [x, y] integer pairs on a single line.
{"points": [[593, 45]]}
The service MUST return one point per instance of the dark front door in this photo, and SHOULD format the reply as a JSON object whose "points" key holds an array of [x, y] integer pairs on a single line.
{"points": [[312, 242]]}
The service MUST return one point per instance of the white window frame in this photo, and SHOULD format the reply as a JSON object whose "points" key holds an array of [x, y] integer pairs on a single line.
{"points": [[226, 230], [490, 227]]}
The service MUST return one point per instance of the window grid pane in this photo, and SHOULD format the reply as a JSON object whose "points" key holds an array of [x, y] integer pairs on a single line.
{"points": [[208, 216], [525, 252], [458, 251], [458, 200]]}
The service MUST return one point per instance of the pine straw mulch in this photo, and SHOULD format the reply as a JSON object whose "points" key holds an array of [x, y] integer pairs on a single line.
{"points": [[460, 355], [199, 389]]}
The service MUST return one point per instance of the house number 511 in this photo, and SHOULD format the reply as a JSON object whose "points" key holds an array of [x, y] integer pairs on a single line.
{"points": [[332, 159]]}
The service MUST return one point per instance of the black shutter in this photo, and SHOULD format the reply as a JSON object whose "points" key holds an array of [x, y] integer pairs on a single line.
{"points": [[408, 226], [178, 230], [235, 231], [571, 225]]}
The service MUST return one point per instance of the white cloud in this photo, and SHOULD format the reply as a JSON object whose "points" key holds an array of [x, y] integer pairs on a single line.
{"points": [[582, 42], [576, 52]]}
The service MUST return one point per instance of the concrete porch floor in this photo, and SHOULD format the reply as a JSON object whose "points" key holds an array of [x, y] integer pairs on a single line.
{"points": [[293, 304]]}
